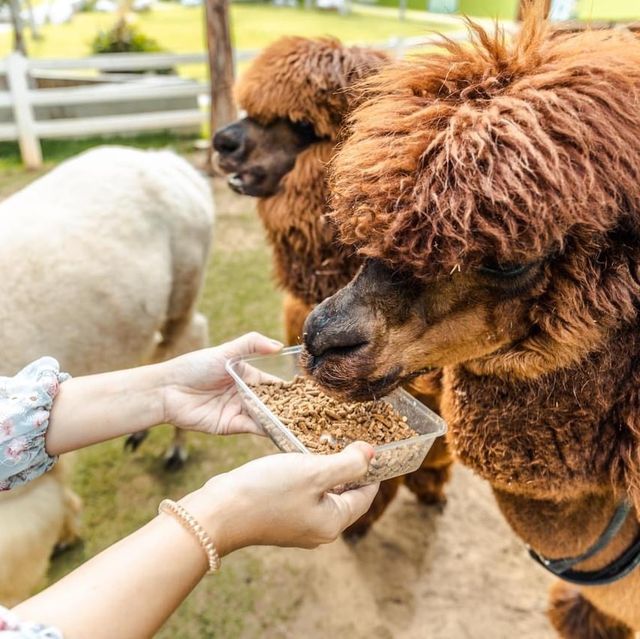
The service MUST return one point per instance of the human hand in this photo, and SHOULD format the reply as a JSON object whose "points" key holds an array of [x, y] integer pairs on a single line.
{"points": [[198, 393], [283, 500]]}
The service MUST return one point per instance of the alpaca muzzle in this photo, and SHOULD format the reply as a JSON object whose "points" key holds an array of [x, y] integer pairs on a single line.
{"points": [[332, 331]]}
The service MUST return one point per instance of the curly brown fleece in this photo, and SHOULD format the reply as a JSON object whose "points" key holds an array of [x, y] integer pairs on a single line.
{"points": [[527, 152], [306, 80], [494, 150]]}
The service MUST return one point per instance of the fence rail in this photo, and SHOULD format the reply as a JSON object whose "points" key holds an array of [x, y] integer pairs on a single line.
{"points": [[22, 100]]}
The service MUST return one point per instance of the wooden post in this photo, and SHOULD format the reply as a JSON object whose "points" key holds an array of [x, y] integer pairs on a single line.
{"points": [[223, 109], [17, 75], [18, 27], [402, 10]]}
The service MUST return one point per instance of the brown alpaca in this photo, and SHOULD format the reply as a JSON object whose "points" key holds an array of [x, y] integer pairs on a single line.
{"points": [[296, 95], [502, 227]]}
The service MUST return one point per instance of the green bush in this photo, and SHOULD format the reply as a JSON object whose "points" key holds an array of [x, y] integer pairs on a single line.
{"points": [[124, 37]]}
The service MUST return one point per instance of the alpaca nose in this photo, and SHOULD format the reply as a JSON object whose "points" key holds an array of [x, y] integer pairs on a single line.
{"points": [[327, 333], [229, 139]]}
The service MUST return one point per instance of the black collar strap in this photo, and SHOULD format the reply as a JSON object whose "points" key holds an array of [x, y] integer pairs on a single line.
{"points": [[613, 571]]}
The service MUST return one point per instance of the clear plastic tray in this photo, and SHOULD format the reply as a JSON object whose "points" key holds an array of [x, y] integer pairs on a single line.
{"points": [[397, 458]]}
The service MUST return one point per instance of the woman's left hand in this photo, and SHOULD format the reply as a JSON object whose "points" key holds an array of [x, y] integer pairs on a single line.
{"points": [[199, 394]]}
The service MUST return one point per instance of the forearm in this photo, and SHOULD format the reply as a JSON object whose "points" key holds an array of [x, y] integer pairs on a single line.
{"points": [[129, 590], [95, 408]]}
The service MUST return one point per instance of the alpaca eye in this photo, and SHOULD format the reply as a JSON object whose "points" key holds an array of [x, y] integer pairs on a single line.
{"points": [[305, 131], [505, 271]]}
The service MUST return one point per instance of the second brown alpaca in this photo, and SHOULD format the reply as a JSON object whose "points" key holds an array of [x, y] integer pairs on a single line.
{"points": [[296, 95]]}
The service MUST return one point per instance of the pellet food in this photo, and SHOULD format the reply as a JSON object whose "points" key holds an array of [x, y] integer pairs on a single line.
{"points": [[326, 425]]}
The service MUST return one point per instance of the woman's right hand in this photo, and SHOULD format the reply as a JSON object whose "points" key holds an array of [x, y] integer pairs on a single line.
{"points": [[283, 500]]}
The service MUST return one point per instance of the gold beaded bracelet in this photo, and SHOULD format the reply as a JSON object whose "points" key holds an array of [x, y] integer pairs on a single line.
{"points": [[190, 523]]}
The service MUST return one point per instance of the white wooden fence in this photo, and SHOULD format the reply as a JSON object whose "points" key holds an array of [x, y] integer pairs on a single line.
{"points": [[28, 130]]}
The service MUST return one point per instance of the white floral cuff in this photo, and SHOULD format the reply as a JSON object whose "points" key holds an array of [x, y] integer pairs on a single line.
{"points": [[25, 404], [12, 628]]}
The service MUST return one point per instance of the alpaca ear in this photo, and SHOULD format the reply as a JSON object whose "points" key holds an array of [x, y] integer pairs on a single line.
{"points": [[358, 65]]}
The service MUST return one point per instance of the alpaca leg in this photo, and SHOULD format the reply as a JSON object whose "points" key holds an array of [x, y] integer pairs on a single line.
{"points": [[387, 492], [428, 482], [574, 617]]}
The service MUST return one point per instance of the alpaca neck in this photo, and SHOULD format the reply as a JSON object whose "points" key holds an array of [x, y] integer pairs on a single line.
{"points": [[552, 437], [309, 262], [553, 447]]}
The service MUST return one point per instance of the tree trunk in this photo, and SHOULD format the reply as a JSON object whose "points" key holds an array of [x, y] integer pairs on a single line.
{"points": [[223, 109], [18, 28], [524, 3]]}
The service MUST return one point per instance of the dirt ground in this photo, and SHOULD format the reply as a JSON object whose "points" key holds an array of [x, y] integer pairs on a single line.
{"points": [[418, 574]]}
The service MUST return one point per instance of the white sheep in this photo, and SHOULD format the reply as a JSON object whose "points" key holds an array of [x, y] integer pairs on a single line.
{"points": [[102, 262]]}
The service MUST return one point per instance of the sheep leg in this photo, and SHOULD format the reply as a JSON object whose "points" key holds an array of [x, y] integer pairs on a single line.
{"points": [[177, 454], [574, 617], [179, 338], [135, 439], [71, 504]]}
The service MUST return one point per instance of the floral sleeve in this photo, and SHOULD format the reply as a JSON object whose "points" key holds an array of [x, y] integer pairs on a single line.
{"points": [[25, 403], [12, 628]]}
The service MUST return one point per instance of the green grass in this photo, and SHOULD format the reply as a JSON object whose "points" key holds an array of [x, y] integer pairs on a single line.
{"points": [[181, 30], [609, 9], [505, 9], [13, 176]]}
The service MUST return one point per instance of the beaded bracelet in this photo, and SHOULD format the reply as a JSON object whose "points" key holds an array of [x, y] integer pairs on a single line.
{"points": [[190, 523]]}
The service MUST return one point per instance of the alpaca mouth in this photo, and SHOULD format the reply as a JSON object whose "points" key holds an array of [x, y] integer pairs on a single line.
{"points": [[334, 353], [236, 183], [251, 182], [344, 372]]}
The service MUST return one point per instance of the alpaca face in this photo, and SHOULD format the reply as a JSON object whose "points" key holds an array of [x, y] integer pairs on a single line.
{"points": [[386, 326], [518, 153], [257, 156]]}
